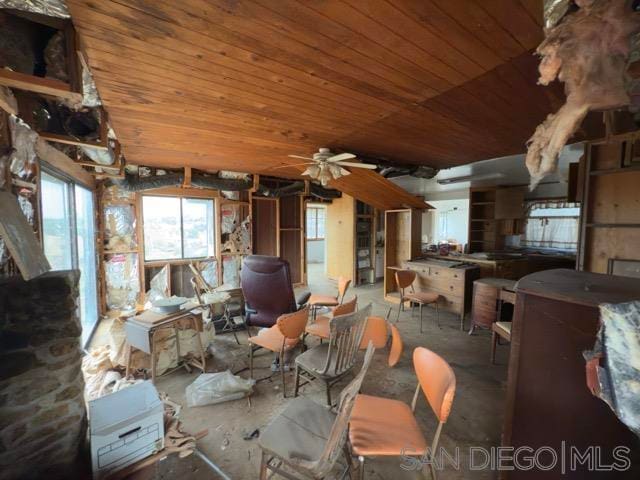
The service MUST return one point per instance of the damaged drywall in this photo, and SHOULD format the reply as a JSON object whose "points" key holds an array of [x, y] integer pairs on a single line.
{"points": [[23, 159], [235, 229], [588, 50]]}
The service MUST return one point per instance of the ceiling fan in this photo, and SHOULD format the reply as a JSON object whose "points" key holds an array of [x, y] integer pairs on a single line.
{"points": [[326, 166]]}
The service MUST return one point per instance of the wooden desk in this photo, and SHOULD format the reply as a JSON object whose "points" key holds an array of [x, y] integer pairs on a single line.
{"points": [[142, 330]]}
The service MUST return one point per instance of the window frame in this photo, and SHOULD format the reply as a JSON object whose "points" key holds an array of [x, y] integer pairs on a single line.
{"points": [[315, 221], [71, 206], [71, 183], [182, 258]]}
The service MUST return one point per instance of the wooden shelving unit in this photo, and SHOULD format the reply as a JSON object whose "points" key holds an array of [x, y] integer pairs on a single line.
{"points": [[403, 230], [365, 241], [351, 240], [482, 222], [279, 229], [493, 213], [610, 217]]}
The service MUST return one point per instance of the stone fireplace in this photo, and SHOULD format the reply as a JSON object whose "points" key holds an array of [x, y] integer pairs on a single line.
{"points": [[42, 409]]}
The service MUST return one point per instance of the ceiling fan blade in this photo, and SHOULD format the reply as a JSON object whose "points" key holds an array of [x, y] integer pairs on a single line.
{"points": [[292, 165], [340, 156], [358, 165], [344, 171], [298, 156]]}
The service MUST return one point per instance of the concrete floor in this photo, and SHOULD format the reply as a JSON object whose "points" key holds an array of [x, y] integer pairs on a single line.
{"points": [[475, 421]]}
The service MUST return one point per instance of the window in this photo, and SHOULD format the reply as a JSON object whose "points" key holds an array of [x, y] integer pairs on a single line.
{"points": [[68, 233], [552, 225], [56, 222], [315, 223], [177, 228]]}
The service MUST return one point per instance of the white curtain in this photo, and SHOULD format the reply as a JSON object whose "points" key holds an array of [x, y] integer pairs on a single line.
{"points": [[552, 225]]}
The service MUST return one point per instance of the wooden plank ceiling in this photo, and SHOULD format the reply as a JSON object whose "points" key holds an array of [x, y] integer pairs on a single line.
{"points": [[240, 84]]}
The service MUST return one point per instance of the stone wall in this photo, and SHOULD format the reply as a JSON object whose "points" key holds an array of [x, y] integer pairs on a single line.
{"points": [[42, 409]]}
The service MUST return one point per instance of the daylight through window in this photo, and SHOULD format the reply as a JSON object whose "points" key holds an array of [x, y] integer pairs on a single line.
{"points": [[177, 228], [315, 223]]}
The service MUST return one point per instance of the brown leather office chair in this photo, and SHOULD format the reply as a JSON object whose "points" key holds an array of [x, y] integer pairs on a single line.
{"points": [[267, 289]]}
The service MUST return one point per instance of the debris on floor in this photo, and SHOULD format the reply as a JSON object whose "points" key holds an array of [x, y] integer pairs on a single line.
{"points": [[212, 388]]}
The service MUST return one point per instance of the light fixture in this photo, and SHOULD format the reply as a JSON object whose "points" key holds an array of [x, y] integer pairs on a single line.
{"points": [[469, 178]]}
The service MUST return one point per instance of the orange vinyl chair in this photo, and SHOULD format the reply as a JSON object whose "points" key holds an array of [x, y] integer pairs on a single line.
{"points": [[320, 325], [280, 338], [319, 301], [387, 427], [377, 332], [405, 279]]}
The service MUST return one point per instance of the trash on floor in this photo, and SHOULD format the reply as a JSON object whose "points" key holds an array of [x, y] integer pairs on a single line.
{"points": [[212, 388]]}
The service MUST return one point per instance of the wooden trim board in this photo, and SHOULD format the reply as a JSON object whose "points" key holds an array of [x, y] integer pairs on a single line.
{"points": [[20, 238], [45, 86]]}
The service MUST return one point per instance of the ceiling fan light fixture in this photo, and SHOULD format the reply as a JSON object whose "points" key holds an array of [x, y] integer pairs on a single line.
{"points": [[325, 175], [313, 171], [335, 170]]}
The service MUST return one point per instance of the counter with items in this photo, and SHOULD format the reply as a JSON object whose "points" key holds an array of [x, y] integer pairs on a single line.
{"points": [[513, 265]]}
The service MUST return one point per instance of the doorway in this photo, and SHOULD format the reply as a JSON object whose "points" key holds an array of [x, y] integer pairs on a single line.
{"points": [[315, 242]]}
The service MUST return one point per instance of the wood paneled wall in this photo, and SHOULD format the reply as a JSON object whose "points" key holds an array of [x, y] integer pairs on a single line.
{"points": [[340, 238], [265, 226], [610, 220]]}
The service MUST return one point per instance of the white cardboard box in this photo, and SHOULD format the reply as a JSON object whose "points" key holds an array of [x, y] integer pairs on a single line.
{"points": [[125, 427]]}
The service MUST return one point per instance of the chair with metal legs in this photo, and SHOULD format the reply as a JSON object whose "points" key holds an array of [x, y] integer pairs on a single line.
{"points": [[319, 326], [280, 338], [388, 427], [404, 280], [317, 301], [378, 331]]}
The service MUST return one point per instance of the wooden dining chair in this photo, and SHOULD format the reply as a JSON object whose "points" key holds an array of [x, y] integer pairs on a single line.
{"points": [[317, 301], [331, 361], [501, 329], [282, 337], [405, 279], [388, 427], [319, 326], [306, 440]]}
